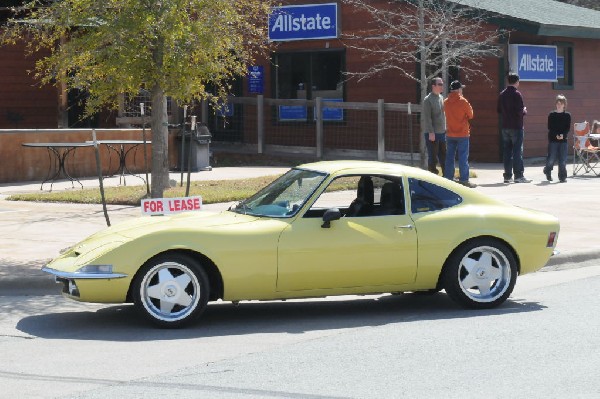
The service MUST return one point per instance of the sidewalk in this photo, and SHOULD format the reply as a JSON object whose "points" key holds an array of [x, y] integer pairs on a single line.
{"points": [[33, 233]]}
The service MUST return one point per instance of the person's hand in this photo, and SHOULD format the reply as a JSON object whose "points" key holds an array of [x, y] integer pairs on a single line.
{"points": [[431, 136], [559, 137]]}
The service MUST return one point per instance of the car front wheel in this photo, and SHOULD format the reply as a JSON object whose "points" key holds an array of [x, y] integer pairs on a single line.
{"points": [[481, 274], [171, 290]]}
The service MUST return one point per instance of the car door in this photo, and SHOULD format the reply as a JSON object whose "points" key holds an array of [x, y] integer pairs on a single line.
{"points": [[374, 249]]}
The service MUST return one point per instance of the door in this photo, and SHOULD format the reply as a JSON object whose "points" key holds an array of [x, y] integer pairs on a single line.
{"points": [[356, 251]]}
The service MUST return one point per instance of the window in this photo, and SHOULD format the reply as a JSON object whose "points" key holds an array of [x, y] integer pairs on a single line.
{"points": [[308, 75], [564, 54], [427, 197], [360, 196]]}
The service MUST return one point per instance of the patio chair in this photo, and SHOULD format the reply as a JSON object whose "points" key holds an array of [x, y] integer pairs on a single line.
{"points": [[586, 157]]}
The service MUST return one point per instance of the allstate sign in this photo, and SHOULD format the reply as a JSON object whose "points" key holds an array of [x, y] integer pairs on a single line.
{"points": [[303, 22], [534, 63]]}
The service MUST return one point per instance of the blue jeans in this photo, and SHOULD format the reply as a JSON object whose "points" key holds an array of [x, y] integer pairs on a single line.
{"points": [[460, 145], [513, 152], [436, 150], [557, 150]]}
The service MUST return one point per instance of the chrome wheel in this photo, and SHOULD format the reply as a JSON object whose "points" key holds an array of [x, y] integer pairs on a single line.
{"points": [[480, 274], [484, 274], [172, 291]]}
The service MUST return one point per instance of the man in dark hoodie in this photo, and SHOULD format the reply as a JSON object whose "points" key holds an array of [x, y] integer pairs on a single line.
{"points": [[512, 110]]}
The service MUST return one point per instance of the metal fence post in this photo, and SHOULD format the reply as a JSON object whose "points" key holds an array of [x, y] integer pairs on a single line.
{"points": [[260, 122], [319, 122], [380, 130]]}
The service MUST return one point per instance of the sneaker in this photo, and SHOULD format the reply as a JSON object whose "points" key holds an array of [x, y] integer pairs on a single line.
{"points": [[522, 180], [468, 184], [507, 180], [563, 180], [548, 176]]}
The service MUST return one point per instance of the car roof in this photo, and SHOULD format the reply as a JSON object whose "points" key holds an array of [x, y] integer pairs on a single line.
{"points": [[469, 195], [350, 166]]}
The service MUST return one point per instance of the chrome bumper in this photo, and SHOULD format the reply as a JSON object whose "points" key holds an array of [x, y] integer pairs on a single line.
{"points": [[73, 275]]}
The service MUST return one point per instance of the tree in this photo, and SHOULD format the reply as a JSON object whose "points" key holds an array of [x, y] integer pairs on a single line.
{"points": [[171, 48], [434, 34]]}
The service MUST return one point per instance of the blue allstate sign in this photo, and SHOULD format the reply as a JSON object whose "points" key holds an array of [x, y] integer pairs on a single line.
{"points": [[304, 22], [534, 63]]}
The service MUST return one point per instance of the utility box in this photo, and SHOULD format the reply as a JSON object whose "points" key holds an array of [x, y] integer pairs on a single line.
{"points": [[199, 153]]}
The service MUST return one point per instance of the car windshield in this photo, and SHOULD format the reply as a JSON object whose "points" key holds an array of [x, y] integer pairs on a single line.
{"points": [[283, 197]]}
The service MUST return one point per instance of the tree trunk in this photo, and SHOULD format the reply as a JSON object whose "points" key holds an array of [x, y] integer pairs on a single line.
{"points": [[160, 143]]}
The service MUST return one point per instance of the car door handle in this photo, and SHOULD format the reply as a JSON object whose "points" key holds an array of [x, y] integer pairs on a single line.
{"points": [[405, 226]]}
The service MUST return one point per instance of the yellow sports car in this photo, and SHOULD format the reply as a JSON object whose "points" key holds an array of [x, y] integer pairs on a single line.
{"points": [[325, 228]]}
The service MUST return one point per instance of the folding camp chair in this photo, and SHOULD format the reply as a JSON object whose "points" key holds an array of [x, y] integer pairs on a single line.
{"points": [[586, 157]]}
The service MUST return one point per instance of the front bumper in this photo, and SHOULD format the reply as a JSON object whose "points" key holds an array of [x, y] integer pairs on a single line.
{"points": [[76, 275], [72, 281]]}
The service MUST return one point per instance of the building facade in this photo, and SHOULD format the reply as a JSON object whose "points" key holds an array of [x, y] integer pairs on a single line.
{"points": [[311, 59]]}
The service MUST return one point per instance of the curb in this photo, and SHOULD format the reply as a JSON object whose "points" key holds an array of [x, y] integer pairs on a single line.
{"points": [[574, 257]]}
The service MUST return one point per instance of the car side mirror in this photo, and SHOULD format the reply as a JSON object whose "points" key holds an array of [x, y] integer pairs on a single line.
{"points": [[330, 215]]}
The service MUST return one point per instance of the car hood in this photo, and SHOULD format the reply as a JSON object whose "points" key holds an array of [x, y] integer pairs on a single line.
{"points": [[143, 225], [194, 220]]}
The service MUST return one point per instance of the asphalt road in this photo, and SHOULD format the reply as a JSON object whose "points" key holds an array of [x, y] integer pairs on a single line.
{"points": [[542, 343]]}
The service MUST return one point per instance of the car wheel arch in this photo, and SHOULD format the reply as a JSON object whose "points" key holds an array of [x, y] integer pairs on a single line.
{"points": [[208, 266], [468, 242]]}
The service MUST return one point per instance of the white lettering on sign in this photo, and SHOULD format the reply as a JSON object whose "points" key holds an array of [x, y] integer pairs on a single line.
{"points": [[537, 63], [287, 23], [163, 206]]}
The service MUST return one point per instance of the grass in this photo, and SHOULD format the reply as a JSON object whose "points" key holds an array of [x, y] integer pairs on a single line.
{"points": [[212, 191]]}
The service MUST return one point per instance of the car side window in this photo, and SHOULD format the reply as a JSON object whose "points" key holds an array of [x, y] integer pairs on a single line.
{"points": [[427, 197], [361, 196]]}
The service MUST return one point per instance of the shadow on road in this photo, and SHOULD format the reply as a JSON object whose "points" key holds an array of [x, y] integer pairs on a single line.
{"points": [[123, 324]]}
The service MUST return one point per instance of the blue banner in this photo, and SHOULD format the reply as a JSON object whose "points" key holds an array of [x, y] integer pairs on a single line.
{"points": [[332, 114], [560, 67], [256, 79], [292, 113], [304, 22], [534, 63]]}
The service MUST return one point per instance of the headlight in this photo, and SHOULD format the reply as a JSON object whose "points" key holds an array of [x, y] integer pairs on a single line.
{"points": [[95, 269]]}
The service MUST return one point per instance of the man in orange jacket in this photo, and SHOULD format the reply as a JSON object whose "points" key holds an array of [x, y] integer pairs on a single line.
{"points": [[458, 114]]}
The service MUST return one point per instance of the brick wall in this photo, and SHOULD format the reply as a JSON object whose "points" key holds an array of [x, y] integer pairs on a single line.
{"points": [[19, 163]]}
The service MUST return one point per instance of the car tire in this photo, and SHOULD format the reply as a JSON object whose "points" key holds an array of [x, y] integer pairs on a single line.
{"points": [[171, 290], [480, 274]]}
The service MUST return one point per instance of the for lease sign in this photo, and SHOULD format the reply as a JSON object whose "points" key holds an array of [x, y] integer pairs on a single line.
{"points": [[534, 63], [163, 206], [304, 22]]}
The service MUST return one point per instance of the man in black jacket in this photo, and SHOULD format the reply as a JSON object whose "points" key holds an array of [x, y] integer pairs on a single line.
{"points": [[512, 110]]}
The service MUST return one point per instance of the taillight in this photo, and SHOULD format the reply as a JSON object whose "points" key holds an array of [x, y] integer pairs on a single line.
{"points": [[551, 240]]}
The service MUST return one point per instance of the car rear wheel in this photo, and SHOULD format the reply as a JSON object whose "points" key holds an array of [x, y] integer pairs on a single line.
{"points": [[480, 274], [171, 290]]}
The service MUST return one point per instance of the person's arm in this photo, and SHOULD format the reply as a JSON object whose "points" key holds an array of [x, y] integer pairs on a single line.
{"points": [[521, 106], [567, 127], [427, 121], [551, 134], [468, 110]]}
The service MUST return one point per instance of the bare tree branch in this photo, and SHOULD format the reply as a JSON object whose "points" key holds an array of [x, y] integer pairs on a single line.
{"points": [[437, 34]]}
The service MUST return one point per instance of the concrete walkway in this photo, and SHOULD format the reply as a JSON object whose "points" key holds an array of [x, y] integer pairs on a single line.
{"points": [[33, 233]]}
